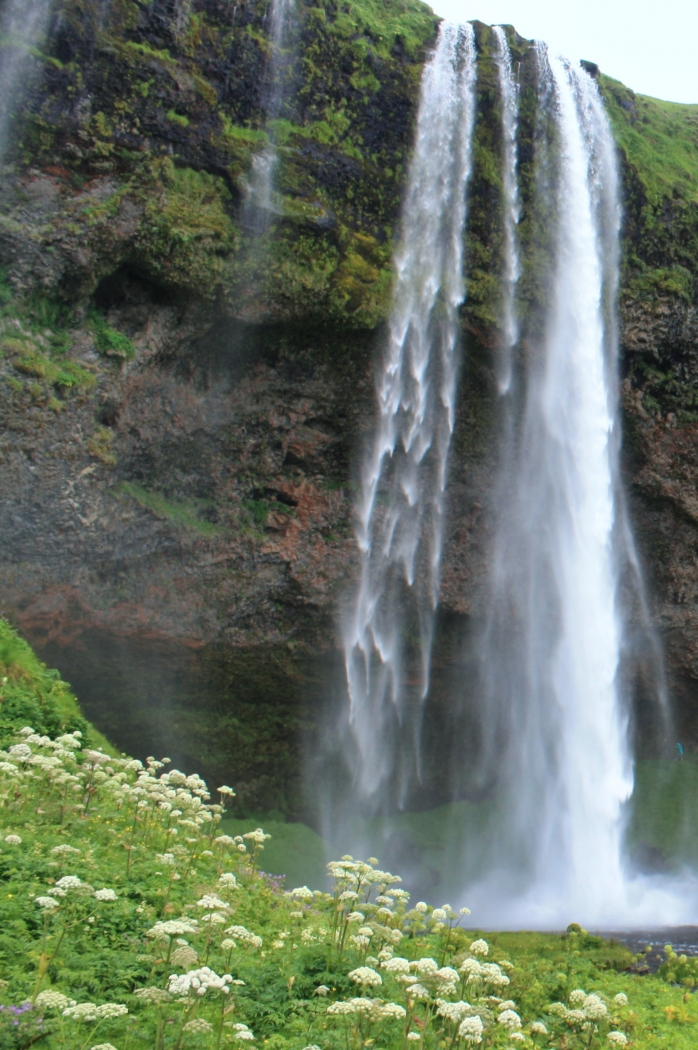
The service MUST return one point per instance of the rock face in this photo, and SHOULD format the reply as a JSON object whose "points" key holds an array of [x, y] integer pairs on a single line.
{"points": [[183, 408]]}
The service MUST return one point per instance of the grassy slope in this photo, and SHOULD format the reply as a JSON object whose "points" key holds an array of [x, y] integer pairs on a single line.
{"points": [[31, 694], [159, 863]]}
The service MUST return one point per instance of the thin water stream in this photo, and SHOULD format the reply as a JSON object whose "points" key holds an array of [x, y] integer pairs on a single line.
{"points": [[401, 506], [22, 25]]}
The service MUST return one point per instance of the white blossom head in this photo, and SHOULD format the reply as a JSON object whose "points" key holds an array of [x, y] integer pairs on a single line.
{"points": [[471, 1029], [480, 947], [106, 895], [617, 1039], [13, 840]]}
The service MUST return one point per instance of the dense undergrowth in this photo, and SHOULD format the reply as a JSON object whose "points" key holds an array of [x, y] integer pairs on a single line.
{"points": [[128, 919]]}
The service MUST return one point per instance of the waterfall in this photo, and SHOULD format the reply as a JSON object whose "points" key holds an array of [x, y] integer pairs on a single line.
{"points": [[512, 269], [22, 25], [401, 506], [279, 68], [555, 722]]}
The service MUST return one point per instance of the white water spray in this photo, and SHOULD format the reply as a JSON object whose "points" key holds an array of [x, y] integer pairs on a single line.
{"points": [[264, 164], [22, 25], [401, 507], [555, 723], [512, 267]]}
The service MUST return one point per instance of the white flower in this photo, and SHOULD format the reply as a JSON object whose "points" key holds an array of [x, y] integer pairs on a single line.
{"points": [[471, 1029], [424, 967], [225, 790], [365, 975], [69, 882], [438, 915], [480, 947], [46, 902], [184, 956], [418, 991], [321, 989], [153, 995], [510, 1019], [199, 982], [594, 1008], [617, 1039], [82, 1012], [301, 893], [50, 1000], [517, 1037], [104, 1046], [224, 840], [393, 1010], [172, 928], [453, 1011], [421, 907], [105, 895], [257, 836], [575, 1017], [13, 840], [396, 965], [197, 1025], [112, 1010], [212, 902], [538, 1028], [558, 1010], [621, 999], [228, 881], [414, 1037], [470, 966], [241, 933], [577, 997], [65, 849]]}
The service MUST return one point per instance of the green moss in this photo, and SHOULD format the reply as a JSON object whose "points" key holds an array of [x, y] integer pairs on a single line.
{"points": [[68, 374], [184, 514], [178, 118], [187, 231], [99, 445]]}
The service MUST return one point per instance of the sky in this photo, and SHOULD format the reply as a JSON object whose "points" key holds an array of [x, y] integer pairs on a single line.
{"points": [[650, 46]]}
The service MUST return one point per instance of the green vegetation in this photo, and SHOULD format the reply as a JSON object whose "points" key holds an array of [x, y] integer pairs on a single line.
{"points": [[185, 514], [29, 692], [134, 915], [108, 341], [660, 140]]}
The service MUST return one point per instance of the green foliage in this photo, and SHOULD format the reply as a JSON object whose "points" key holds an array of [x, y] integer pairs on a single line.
{"points": [[29, 693], [177, 512], [110, 342], [69, 374], [660, 140], [133, 914], [187, 230]]}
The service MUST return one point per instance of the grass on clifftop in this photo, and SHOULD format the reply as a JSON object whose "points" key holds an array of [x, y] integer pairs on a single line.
{"points": [[128, 920], [660, 140]]}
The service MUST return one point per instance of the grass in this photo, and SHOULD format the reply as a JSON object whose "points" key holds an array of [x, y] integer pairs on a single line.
{"points": [[184, 514], [133, 914], [660, 139]]}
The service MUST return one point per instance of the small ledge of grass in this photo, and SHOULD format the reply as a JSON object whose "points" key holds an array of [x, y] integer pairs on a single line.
{"points": [[179, 513]]}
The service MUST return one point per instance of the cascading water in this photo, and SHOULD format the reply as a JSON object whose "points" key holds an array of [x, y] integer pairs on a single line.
{"points": [[555, 724], [512, 268], [279, 68], [401, 507], [22, 25]]}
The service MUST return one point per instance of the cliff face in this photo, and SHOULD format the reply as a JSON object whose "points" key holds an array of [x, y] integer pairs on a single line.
{"points": [[184, 400]]}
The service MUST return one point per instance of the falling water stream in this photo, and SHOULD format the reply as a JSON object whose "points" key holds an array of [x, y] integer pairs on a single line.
{"points": [[22, 25], [553, 708], [279, 68], [401, 506]]}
